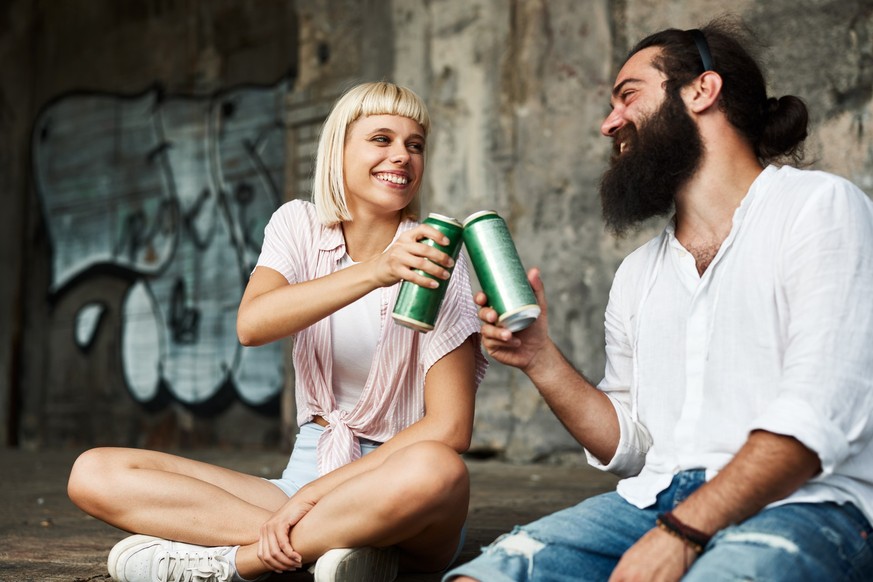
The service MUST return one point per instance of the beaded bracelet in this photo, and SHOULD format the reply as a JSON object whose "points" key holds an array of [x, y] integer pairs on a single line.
{"points": [[693, 538]]}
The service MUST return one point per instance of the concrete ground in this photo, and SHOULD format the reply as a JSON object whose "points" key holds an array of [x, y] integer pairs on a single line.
{"points": [[45, 538]]}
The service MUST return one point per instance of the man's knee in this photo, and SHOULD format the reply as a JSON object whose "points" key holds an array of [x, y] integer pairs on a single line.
{"points": [[743, 553]]}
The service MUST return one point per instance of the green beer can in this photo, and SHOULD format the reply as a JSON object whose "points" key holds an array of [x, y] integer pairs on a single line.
{"points": [[417, 307], [499, 270]]}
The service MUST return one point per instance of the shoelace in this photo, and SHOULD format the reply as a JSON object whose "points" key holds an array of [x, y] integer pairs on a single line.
{"points": [[194, 567]]}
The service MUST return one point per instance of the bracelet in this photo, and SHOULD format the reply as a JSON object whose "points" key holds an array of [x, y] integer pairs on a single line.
{"points": [[693, 538]]}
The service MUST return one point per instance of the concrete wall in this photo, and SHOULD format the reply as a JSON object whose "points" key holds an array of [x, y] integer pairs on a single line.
{"points": [[517, 91]]}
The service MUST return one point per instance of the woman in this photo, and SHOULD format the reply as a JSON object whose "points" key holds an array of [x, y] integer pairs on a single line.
{"points": [[383, 410]]}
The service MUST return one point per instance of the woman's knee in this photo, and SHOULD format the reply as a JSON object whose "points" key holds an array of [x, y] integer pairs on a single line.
{"points": [[83, 474], [437, 465], [89, 476], [431, 472]]}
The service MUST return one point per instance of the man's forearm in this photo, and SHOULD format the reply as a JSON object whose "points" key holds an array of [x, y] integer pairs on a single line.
{"points": [[768, 468], [584, 410]]}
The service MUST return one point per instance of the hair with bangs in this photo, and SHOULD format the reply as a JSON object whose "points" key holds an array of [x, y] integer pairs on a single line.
{"points": [[380, 98]]}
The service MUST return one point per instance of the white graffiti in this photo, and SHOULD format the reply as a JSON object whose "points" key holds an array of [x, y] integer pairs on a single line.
{"points": [[174, 193]]}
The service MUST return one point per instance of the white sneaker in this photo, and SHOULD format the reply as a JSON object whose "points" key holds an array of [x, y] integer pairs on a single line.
{"points": [[357, 565], [142, 558]]}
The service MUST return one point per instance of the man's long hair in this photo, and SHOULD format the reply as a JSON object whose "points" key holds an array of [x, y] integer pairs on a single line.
{"points": [[775, 127]]}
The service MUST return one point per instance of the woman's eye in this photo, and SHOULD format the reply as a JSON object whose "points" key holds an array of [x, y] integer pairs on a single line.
{"points": [[416, 147], [381, 139]]}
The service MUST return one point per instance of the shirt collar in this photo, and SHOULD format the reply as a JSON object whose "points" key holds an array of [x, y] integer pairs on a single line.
{"points": [[332, 239], [739, 213]]}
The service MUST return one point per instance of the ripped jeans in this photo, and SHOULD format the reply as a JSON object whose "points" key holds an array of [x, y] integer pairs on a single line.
{"points": [[795, 542]]}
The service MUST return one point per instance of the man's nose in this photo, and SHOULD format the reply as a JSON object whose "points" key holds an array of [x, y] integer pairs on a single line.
{"points": [[612, 123]]}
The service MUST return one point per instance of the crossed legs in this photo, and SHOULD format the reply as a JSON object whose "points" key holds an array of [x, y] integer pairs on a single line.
{"points": [[416, 499]]}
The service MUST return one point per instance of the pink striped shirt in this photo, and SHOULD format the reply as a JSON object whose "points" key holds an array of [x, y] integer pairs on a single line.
{"points": [[299, 247]]}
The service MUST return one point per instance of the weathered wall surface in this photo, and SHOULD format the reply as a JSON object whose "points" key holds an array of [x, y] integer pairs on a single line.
{"points": [[93, 107], [517, 91], [15, 113]]}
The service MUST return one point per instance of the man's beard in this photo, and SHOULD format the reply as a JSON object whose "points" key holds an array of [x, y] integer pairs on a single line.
{"points": [[659, 159]]}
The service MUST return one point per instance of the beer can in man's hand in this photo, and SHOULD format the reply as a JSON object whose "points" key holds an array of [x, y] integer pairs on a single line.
{"points": [[499, 270], [417, 307]]}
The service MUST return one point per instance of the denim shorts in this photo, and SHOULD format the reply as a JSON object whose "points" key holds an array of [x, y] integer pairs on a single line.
{"points": [[795, 542], [302, 467]]}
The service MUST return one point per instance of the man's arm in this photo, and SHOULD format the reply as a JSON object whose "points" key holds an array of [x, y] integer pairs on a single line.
{"points": [[585, 411], [769, 467]]}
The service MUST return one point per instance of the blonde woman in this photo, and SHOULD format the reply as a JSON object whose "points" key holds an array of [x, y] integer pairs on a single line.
{"points": [[375, 482]]}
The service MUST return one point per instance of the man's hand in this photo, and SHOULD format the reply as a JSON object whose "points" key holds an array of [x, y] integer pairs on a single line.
{"points": [[518, 350], [656, 557], [585, 411], [767, 468]]}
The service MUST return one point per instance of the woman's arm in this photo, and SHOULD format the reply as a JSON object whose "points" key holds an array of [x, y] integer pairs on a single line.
{"points": [[272, 309], [450, 389], [449, 396]]}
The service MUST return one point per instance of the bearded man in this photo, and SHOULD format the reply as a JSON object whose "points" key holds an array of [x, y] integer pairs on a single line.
{"points": [[737, 401]]}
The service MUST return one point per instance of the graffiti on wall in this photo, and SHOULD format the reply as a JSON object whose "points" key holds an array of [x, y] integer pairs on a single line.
{"points": [[173, 193]]}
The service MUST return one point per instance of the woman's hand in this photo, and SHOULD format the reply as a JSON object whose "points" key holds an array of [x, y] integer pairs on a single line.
{"points": [[407, 254], [274, 546]]}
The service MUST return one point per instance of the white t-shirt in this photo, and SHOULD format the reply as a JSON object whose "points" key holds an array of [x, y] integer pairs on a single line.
{"points": [[355, 331]]}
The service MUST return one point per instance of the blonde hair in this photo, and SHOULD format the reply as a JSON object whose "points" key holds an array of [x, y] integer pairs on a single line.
{"points": [[380, 98]]}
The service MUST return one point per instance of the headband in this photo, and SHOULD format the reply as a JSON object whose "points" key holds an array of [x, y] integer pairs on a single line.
{"points": [[702, 48]]}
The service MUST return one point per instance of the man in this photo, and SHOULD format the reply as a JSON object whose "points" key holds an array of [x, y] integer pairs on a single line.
{"points": [[737, 401]]}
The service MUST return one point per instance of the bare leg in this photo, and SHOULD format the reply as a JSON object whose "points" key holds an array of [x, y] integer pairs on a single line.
{"points": [[417, 500], [172, 497]]}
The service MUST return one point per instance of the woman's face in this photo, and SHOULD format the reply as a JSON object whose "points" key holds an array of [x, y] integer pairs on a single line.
{"points": [[383, 161]]}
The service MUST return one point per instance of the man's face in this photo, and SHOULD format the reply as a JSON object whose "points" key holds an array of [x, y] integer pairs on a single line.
{"points": [[656, 147]]}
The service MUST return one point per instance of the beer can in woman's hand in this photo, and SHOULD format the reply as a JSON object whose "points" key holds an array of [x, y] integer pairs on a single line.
{"points": [[417, 307], [499, 270]]}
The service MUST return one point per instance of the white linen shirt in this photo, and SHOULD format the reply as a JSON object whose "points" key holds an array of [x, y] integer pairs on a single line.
{"points": [[299, 247], [776, 335]]}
